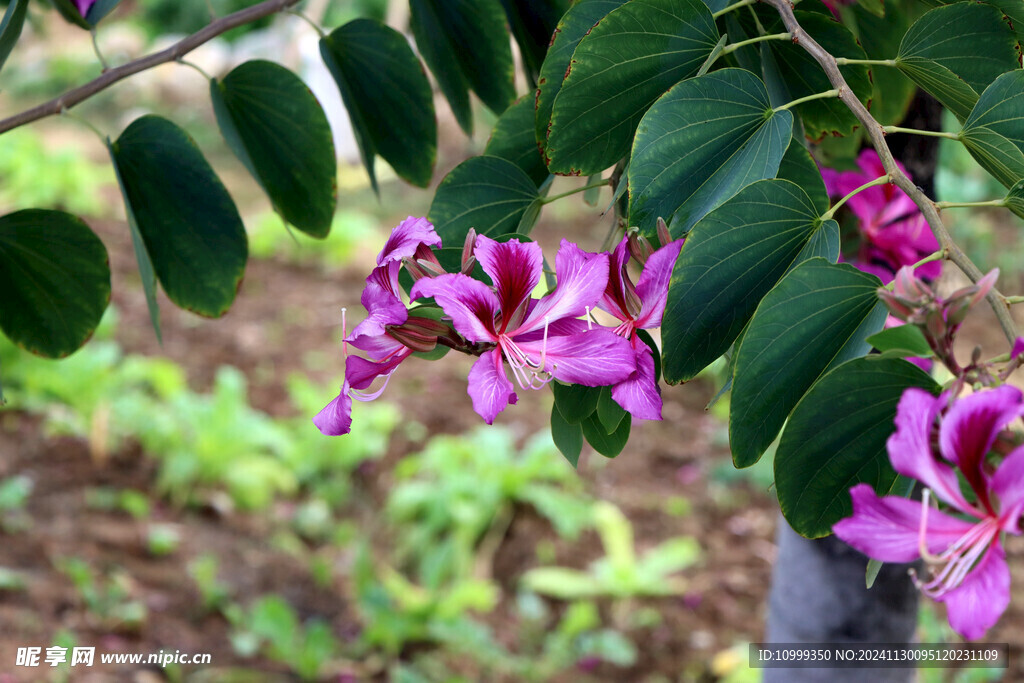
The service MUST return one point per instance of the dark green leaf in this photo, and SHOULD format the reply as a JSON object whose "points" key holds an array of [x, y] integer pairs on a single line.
{"points": [[608, 445], [799, 75], [512, 138], [824, 243], [533, 22], [609, 413], [730, 261], [815, 318], [908, 340], [466, 45], [798, 167], [1015, 199], [10, 27], [188, 222], [575, 402], [629, 59], [994, 132], [836, 438], [880, 35], [100, 9], [567, 437], [955, 52], [699, 144], [387, 95], [55, 279], [485, 193], [576, 23], [275, 126]]}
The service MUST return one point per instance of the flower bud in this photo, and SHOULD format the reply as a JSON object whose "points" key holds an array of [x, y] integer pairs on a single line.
{"points": [[468, 259], [664, 236], [639, 248]]}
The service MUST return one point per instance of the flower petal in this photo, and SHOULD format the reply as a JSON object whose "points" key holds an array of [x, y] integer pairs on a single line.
{"points": [[406, 237], [1008, 485], [971, 426], [639, 394], [652, 287], [382, 304], [581, 278], [975, 605], [887, 528], [469, 303], [489, 386], [910, 448], [595, 358], [336, 417], [360, 372], [515, 268], [614, 298]]}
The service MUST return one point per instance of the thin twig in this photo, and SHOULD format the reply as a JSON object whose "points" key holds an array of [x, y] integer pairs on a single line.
{"points": [[899, 178], [176, 51]]}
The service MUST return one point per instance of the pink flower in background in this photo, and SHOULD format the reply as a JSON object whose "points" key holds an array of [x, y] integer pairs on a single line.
{"points": [[968, 565], [834, 5], [84, 5], [894, 232], [539, 339], [639, 306]]}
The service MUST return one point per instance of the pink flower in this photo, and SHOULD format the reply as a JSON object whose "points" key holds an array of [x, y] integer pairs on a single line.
{"points": [[639, 306], [540, 339], [969, 571], [893, 230]]}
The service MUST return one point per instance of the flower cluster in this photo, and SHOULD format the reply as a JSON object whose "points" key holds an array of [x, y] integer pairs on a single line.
{"points": [[893, 232], [935, 439], [535, 340]]}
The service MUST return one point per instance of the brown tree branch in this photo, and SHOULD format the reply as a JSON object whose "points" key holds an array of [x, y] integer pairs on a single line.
{"points": [[174, 52], [874, 130]]}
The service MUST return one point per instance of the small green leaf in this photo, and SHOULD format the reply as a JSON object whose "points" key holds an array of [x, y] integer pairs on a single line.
{"points": [[955, 52], [55, 279], [387, 95], [730, 261], [10, 27], [815, 318], [632, 56], [699, 144], [994, 131], [489, 194], [908, 340], [275, 126], [187, 220], [530, 217], [608, 445], [513, 138], [571, 28], [574, 401], [609, 413], [466, 45], [568, 437], [836, 438]]}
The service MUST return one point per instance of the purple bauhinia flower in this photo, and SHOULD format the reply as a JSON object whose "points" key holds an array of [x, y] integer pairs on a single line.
{"points": [[539, 339], [639, 307], [389, 334], [893, 230], [969, 571]]}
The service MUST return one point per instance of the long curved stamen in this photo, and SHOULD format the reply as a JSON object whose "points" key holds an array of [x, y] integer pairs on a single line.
{"points": [[529, 374], [959, 558], [590, 319], [364, 396], [344, 334]]}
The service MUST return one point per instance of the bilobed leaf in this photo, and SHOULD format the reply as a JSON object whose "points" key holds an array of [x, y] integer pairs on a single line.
{"points": [[608, 445], [55, 279], [568, 437], [10, 27], [275, 126], [188, 221], [575, 402], [465, 44], [387, 95], [799, 75], [994, 131], [798, 167], [533, 22], [955, 52], [513, 138], [730, 261], [489, 194], [632, 56], [817, 317], [836, 438], [699, 144], [571, 28]]}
